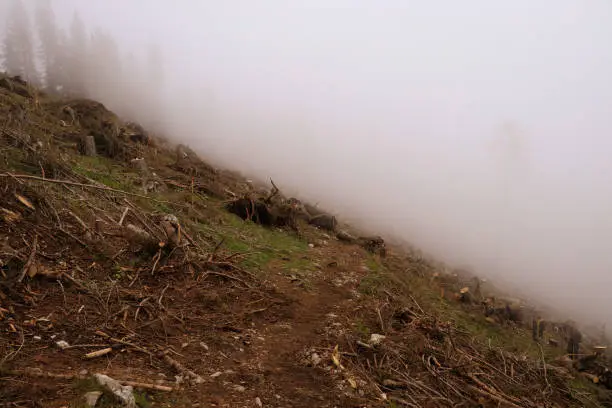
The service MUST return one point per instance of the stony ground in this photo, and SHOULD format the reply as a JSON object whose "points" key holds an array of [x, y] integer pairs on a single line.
{"points": [[232, 314]]}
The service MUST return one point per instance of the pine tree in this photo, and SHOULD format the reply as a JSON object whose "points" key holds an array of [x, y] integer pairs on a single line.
{"points": [[18, 49], [51, 48], [76, 57]]}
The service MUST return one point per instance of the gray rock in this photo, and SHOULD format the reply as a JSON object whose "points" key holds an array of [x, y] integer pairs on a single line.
{"points": [[125, 394], [92, 397]]}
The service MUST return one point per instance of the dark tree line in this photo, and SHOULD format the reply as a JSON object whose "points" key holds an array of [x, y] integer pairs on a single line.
{"points": [[74, 61]]}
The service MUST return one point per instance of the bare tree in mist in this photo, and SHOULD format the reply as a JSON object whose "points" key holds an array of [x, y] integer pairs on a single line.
{"points": [[18, 48]]}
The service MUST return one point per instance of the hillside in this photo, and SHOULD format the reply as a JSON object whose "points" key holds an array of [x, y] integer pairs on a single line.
{"points": [[118, 256]]}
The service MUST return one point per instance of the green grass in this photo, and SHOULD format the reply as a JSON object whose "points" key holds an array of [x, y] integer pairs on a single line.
{"points": [[105, 171], [261, 245], [584, 390]]}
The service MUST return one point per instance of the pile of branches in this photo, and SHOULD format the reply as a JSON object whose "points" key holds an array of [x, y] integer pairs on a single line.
{"points": [[424, 362], [271, 210]]}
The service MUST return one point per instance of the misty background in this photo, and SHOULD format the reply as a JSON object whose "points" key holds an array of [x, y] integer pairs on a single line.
{"points": [[477, 131]]}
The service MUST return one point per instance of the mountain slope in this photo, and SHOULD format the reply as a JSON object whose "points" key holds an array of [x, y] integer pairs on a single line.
{"points": [[131, 253]]}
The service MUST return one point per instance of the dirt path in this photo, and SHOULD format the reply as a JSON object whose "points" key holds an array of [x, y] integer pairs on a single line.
{"points": [[286, 364]]}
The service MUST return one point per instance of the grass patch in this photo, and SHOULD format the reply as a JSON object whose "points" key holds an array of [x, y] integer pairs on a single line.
{"points": [[376, 279], [105, 171], [261, 245]]}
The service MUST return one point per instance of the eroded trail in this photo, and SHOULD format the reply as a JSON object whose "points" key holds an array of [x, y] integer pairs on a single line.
{"points": [[285, 367], [289, 364]]}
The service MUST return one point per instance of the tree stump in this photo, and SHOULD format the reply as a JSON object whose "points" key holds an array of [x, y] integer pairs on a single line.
{"points": [[89, 145]]}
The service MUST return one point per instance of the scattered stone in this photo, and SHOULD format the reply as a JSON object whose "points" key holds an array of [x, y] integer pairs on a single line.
{"points": [[311, 246], [239, 388], [83, 372], [125, 394], [315, 358], [62, 344], [204, 345], [92, 397], [216, 374], [376, 339], [258, 402], [37, 338]]}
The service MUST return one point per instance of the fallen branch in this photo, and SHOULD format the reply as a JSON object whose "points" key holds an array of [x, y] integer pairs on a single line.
{"points": [[74, 183], [181, 368], [37, 372], [145, 386], [98, 353], [127, 343]]}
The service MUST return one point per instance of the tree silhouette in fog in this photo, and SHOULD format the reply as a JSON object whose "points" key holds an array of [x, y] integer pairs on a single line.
{"points": [[78, 61], [76, 57], [18, 47], [52, 47]]}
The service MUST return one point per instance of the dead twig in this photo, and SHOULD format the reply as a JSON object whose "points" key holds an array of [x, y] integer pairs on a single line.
{"points": [[28, 263], [127, 343], [493, 396], [159, 301], [123, 215], [157, 257], [80, 221], [215, 249]]}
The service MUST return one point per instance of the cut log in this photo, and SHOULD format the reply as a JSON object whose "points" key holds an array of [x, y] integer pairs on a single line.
{"points": [[324, 221]]}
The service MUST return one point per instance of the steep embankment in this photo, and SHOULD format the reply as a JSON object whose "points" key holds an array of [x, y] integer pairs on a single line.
{"points": [[134, 269]]}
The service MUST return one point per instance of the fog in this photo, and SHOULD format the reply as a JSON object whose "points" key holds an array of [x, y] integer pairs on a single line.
{"points": [[478, 131]]}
